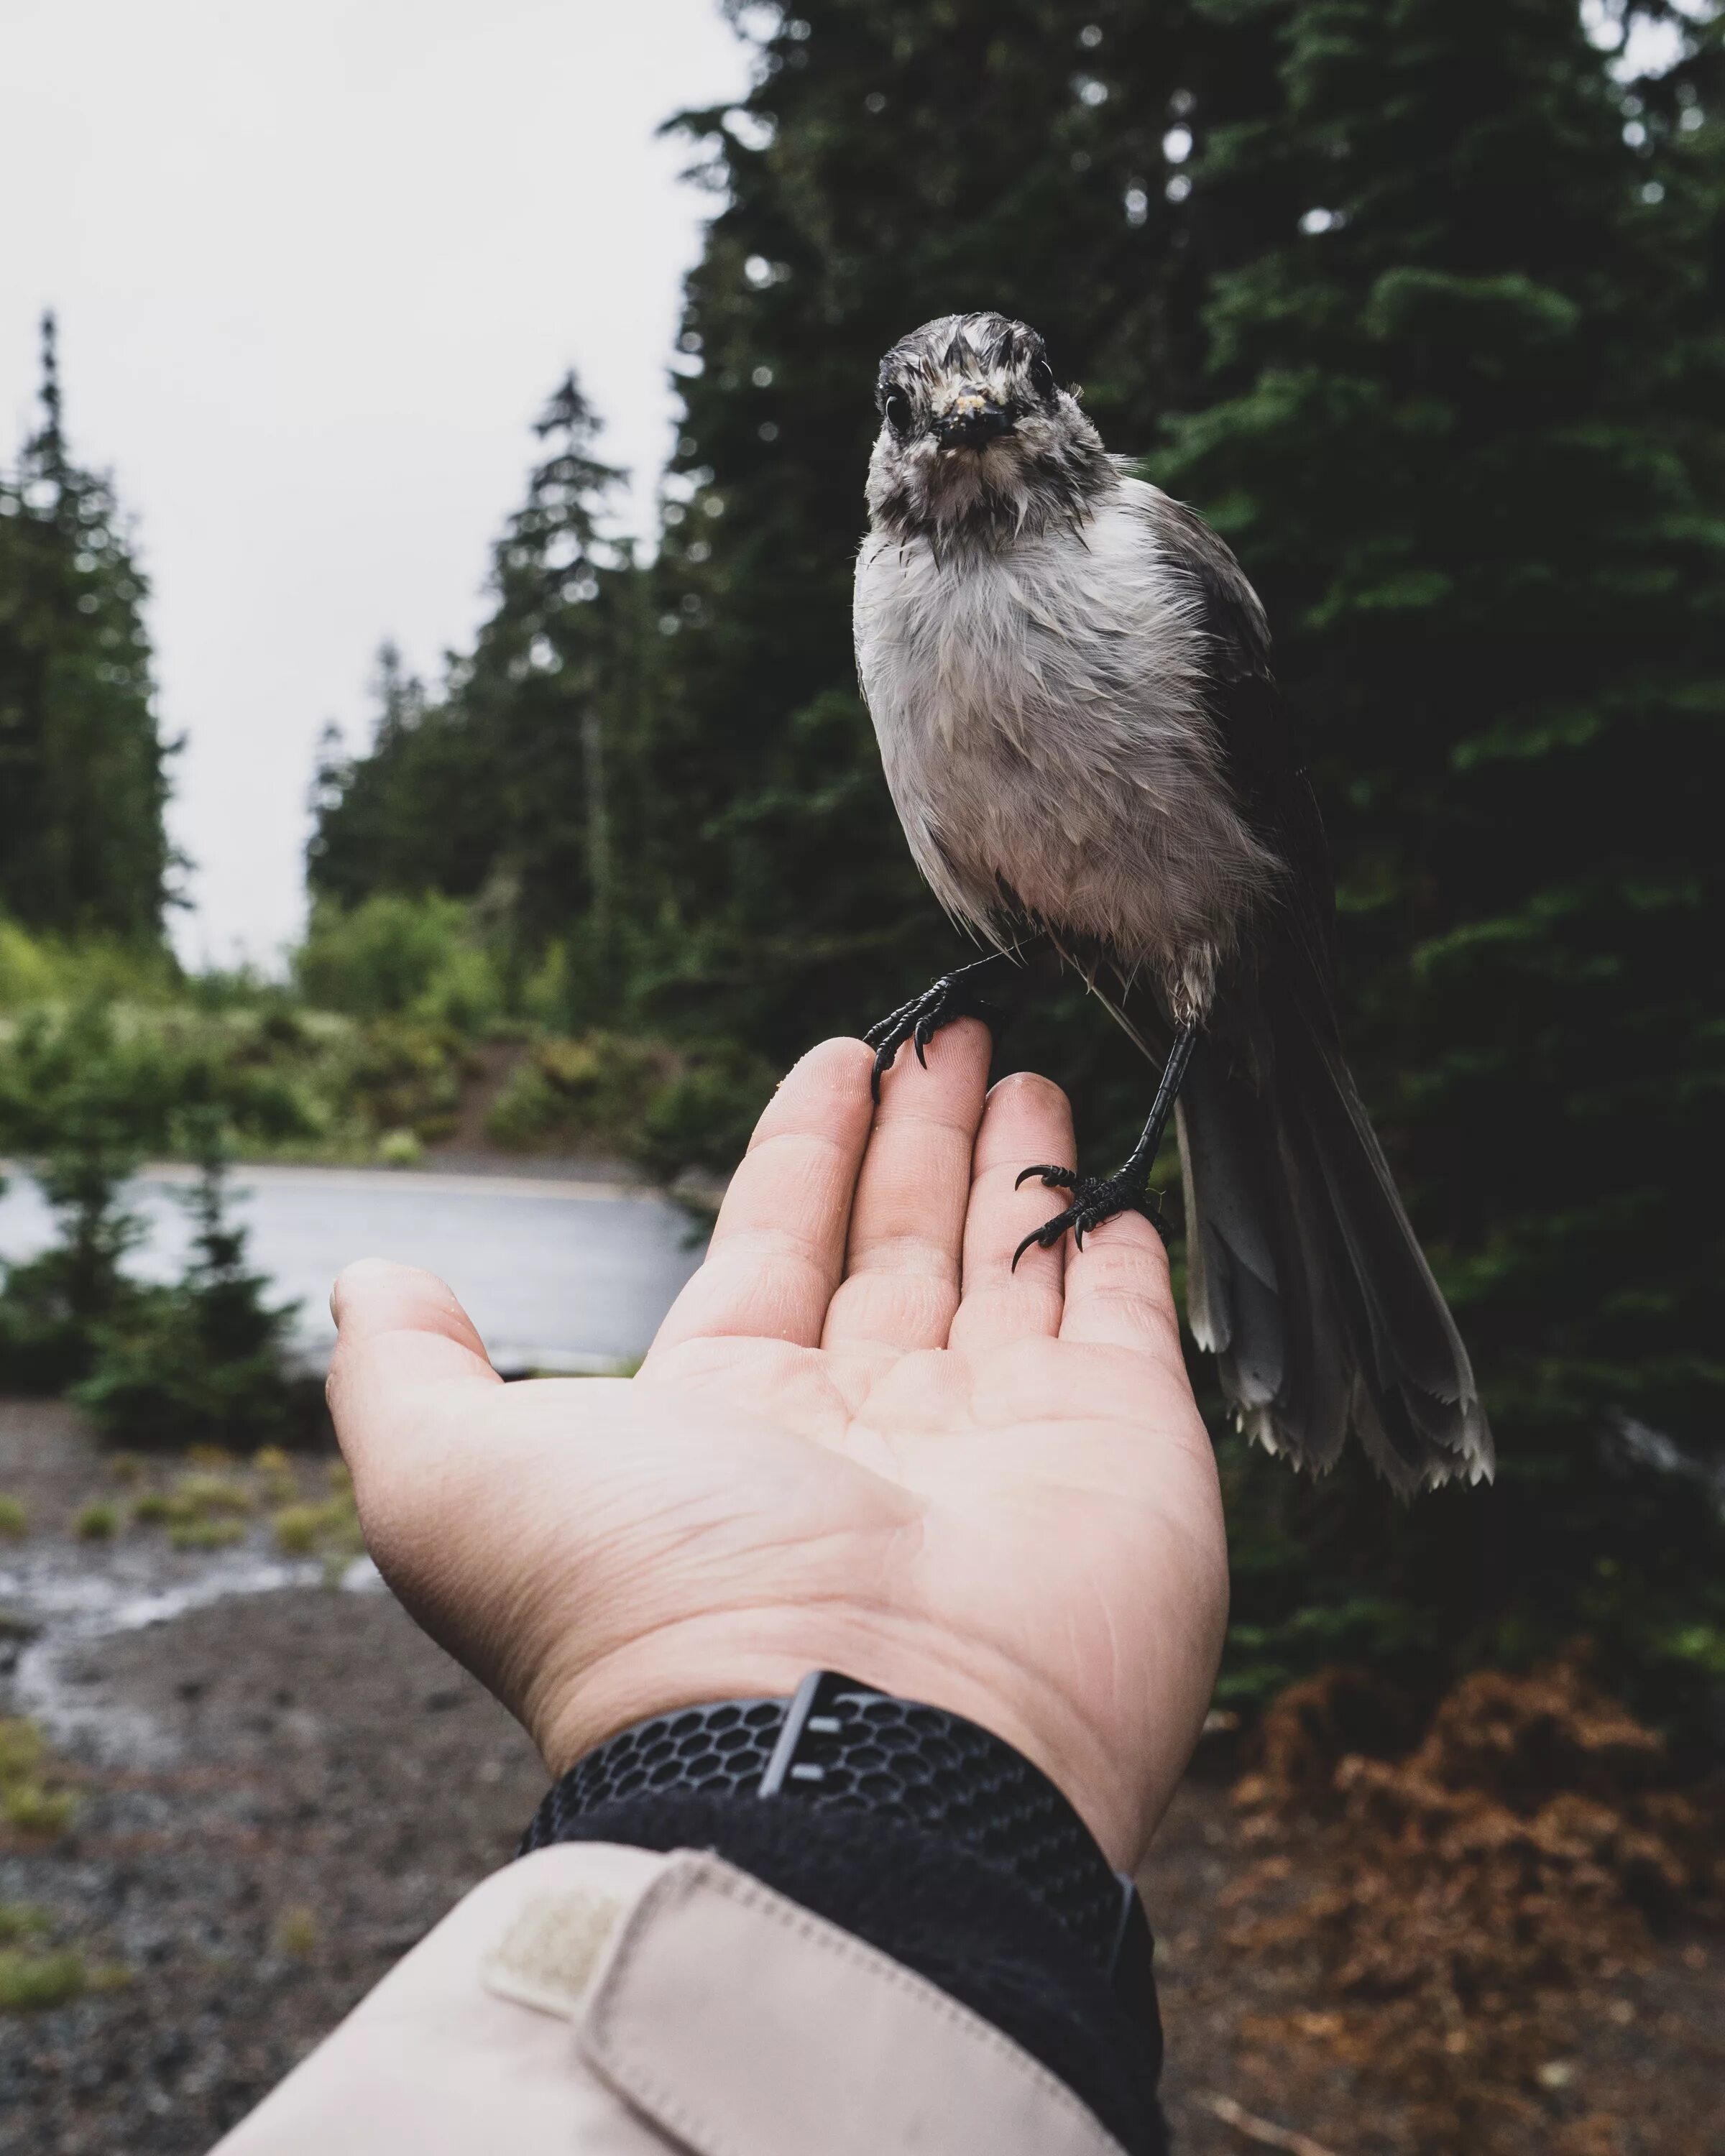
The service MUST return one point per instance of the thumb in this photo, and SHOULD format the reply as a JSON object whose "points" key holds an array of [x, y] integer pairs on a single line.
{"points": [[401, 1337]]}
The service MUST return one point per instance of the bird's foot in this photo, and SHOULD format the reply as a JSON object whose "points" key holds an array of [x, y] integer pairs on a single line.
{"points": [[951, 997], [1094, 1200]]}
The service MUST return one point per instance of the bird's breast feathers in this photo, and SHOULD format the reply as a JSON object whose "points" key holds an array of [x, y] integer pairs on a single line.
{"points": [[1043, 724]]}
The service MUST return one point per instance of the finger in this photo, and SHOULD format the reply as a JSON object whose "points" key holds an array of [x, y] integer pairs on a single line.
{"points": [[1027, 1119], [400, 1334], [778, 1251], [1118, 1292], [900, 1286]]}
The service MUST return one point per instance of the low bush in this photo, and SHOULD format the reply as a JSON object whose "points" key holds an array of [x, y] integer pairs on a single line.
{"points": [[208, 1498], [396, 957], [207, 1534], [296, 1933], [30, 1983], [581, 1096], [670, 1110], [330, 1530], [199, 1500], [1449, 1899], [203, 1362], [702, 1120], [39, 969], [34, 1976], [29, 1802], [14, 1520]]}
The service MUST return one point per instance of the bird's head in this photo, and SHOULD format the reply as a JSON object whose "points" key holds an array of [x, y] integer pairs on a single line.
{"points": [[978, 440]]}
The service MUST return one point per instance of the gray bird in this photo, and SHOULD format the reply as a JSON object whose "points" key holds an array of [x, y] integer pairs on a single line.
{"points": [[1069, 679]]}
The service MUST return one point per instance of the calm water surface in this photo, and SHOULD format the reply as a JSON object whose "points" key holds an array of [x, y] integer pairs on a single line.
{"points": [[556, 1276]]}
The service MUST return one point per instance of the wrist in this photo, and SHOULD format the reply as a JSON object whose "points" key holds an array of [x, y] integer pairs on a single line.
{"points": [[840, 1748], [570, 1719]]}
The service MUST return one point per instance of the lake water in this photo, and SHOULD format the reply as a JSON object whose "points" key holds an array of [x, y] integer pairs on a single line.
{"points": [[558, 1275]]}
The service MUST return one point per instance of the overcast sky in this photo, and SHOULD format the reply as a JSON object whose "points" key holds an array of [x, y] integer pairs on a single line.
{"points": [[317, 269]]}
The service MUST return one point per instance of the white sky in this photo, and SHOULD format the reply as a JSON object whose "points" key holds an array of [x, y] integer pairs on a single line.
{"points": [[316, 268]]}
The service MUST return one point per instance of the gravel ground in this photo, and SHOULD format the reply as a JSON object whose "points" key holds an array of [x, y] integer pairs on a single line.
{"points": [[280, 1793]]}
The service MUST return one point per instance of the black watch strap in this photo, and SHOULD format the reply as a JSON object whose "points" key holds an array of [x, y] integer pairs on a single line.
{"points": [[840, 1745]]}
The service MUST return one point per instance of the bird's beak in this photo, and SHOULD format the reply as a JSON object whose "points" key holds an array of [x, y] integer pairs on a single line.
{"points": [[972, 422]]}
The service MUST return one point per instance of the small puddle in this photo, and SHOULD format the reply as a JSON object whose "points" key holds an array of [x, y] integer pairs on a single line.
{"points": [[72, 1595]]}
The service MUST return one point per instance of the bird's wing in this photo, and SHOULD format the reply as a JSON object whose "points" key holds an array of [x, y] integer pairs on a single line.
{"points": [[1304, 1275], [1260, 744]]}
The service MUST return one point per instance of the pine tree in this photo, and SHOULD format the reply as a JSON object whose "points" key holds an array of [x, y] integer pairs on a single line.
{"points": [[83, 765], [54, 1306], [206, 1360], [416, 810], [1462, 424], [1422, 305], [520, 783], [552, 682]]}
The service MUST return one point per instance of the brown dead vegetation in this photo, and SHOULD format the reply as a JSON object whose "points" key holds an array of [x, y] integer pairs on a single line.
{"points": [[1463, 1906]]}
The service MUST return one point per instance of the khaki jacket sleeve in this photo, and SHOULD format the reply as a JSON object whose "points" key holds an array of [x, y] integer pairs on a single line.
{"points": [[613, 2002]]}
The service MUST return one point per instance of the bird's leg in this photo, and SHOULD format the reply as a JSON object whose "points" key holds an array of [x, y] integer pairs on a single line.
{"points": [[1096, 1199], [953, 996]]}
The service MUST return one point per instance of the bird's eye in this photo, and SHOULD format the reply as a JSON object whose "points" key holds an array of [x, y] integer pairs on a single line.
{"points": [[1042, 379], [897, 409]]}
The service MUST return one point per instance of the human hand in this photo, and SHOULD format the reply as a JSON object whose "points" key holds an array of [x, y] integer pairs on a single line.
{"points": [[861, 1441]]}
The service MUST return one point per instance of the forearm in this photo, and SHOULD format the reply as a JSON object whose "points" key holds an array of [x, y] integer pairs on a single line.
{"points": [[937, 1910], [727, 1960]]}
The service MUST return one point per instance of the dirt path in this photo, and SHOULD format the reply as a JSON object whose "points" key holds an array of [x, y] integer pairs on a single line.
{"points": [[278, 1793]]}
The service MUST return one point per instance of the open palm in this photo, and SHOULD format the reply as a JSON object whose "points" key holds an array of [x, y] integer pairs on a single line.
{"points": [[859, 1441]]}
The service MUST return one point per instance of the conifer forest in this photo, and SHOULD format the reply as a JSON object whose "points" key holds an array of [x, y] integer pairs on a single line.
{"points": [[1422, 309], [1421, 303]]}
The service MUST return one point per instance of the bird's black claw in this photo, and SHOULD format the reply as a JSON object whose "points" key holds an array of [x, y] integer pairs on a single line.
{"points": [[1095, 1201], [1055, 1178], [1035, 1236], [919, 1020]]}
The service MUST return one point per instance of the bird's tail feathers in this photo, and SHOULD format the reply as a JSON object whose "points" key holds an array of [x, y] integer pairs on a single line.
{"points": [[1305, 1279]]}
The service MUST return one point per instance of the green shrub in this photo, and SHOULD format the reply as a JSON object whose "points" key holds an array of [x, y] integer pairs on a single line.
{"points": [[53, 1306], [31, 1982], [296, 1933], [195, 1501], [702, 1120], [203, 1362], [22, 1750], [207, 1497], [99, 1521], [291, 1082], [14, 1520], [394, 957], [41, 969], [27, 1803], [207, 1534], [32, 1809], [330, 1529], [584, 1094], [297, 1528], [404, 1075]]}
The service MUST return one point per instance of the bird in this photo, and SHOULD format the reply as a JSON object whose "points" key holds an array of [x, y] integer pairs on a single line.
{"points": [[1070, 679]]}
